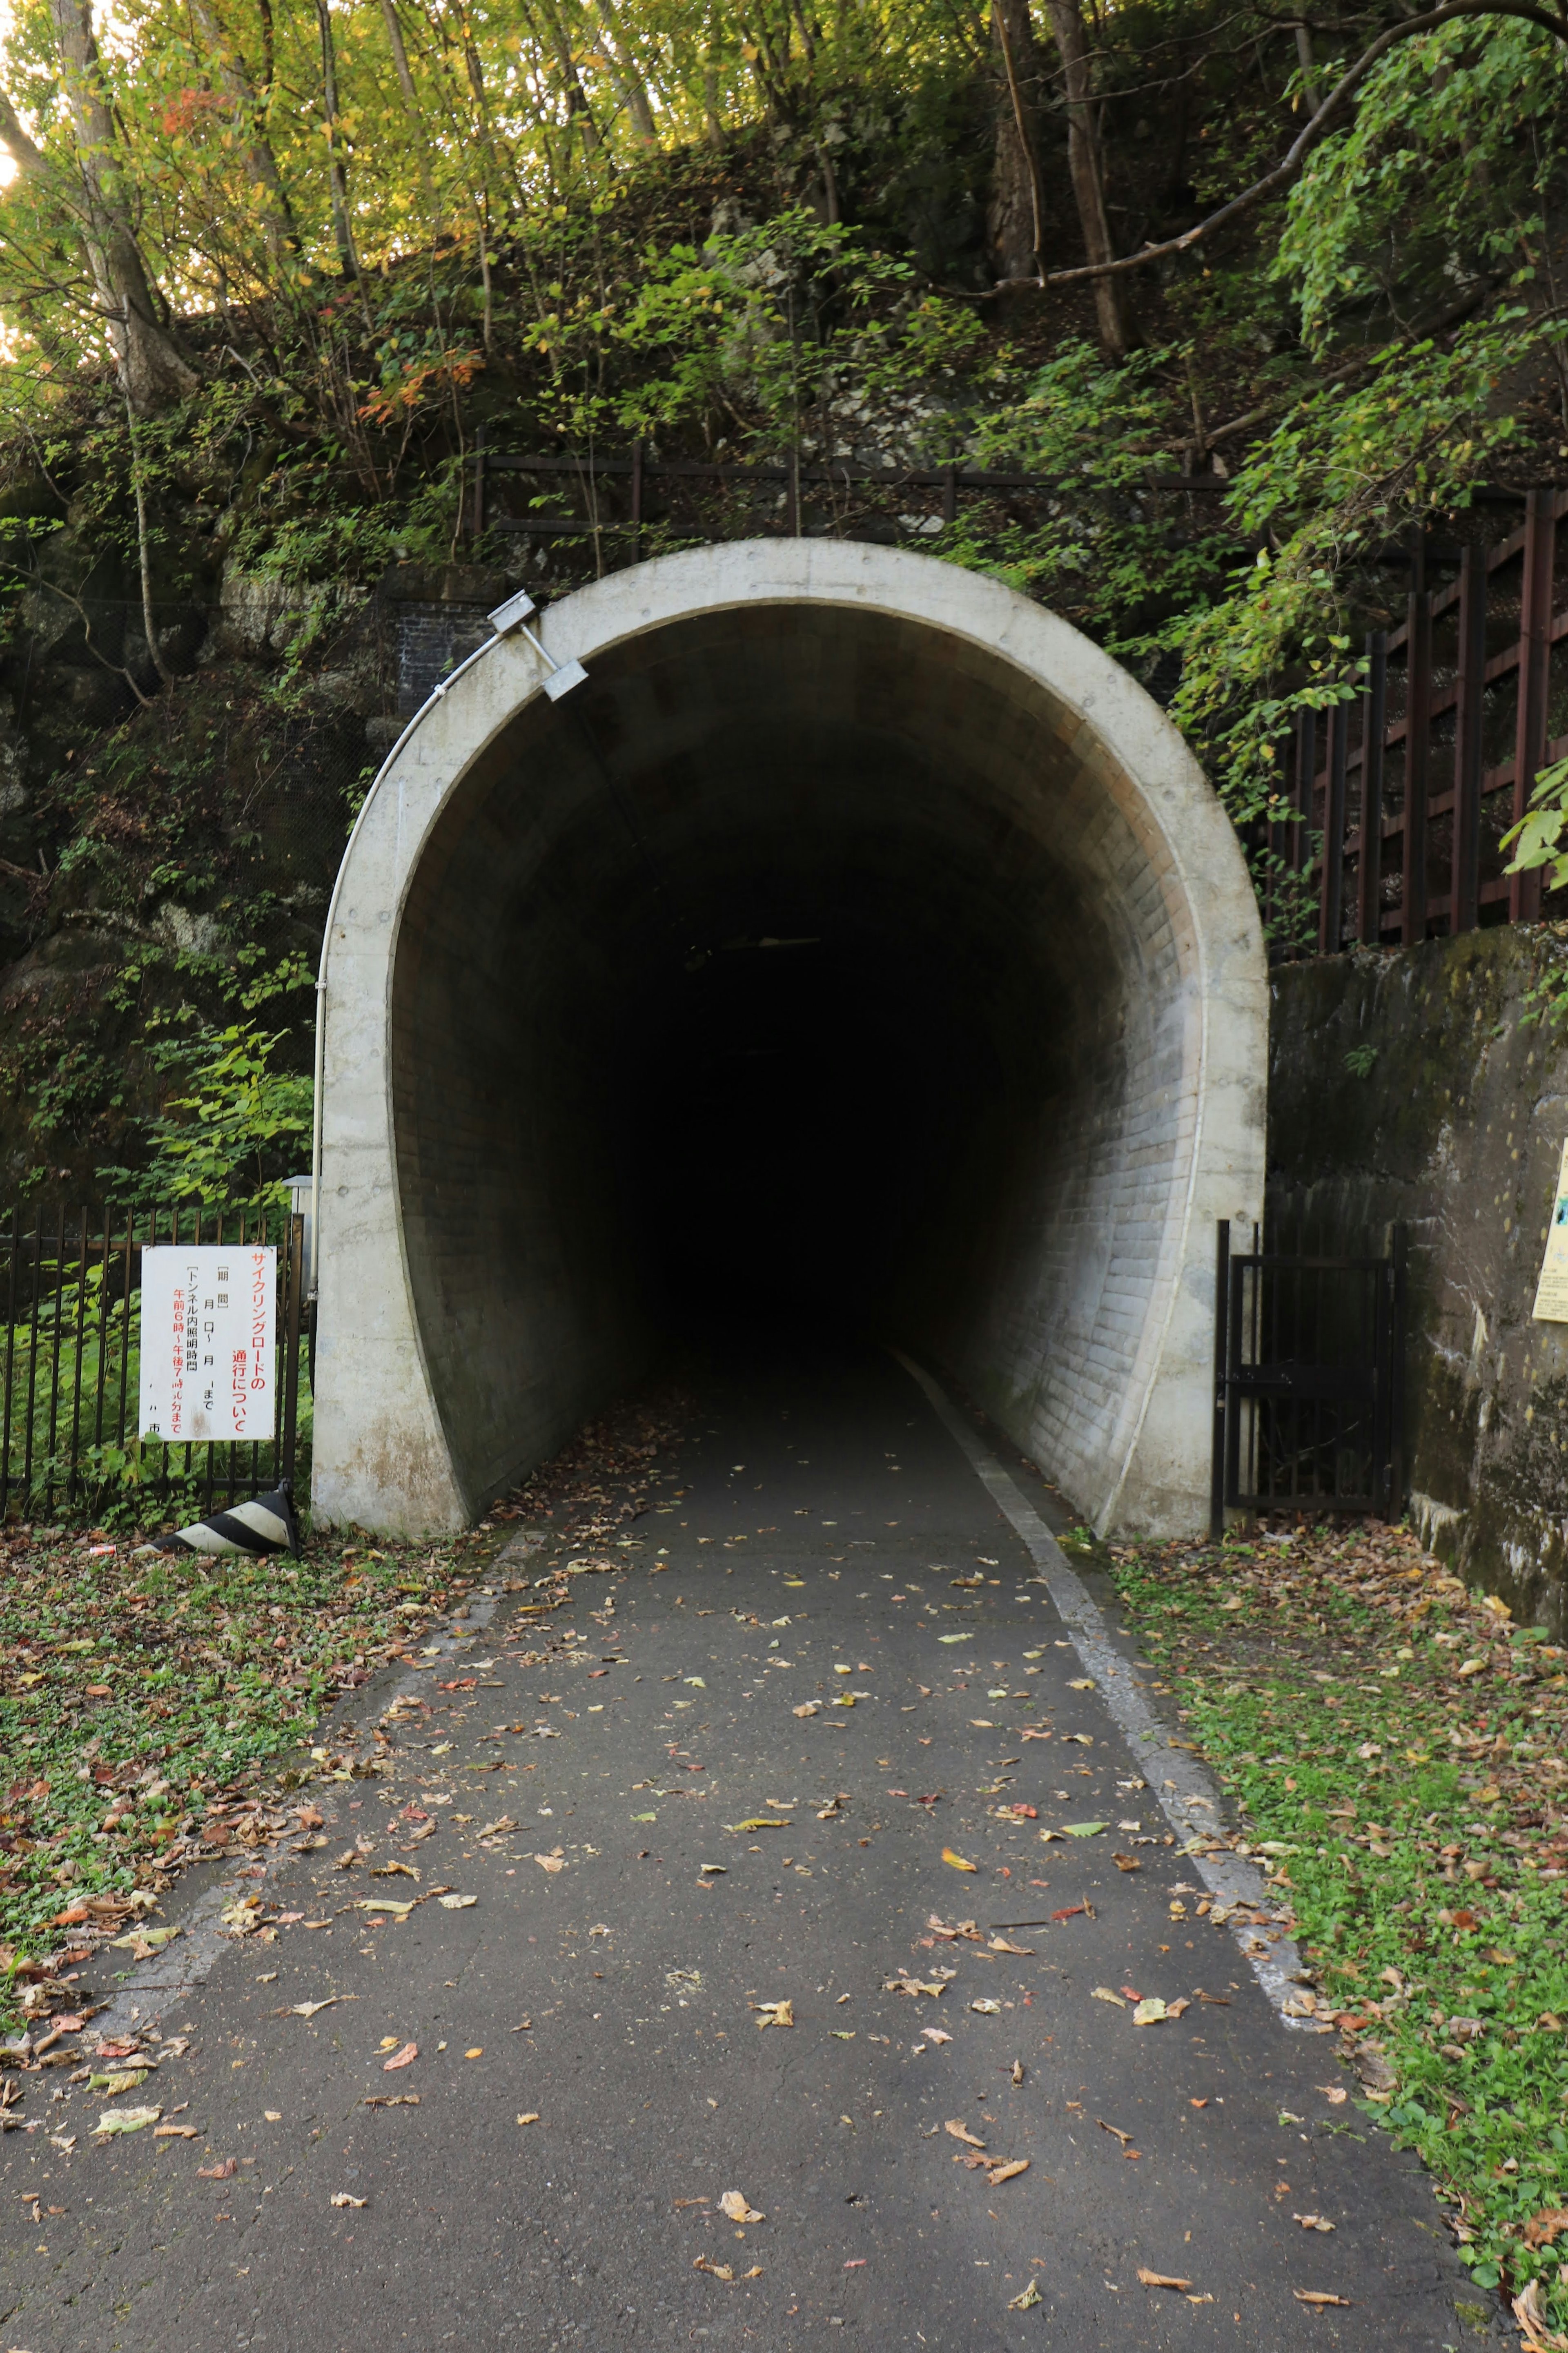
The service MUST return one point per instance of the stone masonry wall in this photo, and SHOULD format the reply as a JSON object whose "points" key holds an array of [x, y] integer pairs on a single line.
{"points": [[1456, 1127]]}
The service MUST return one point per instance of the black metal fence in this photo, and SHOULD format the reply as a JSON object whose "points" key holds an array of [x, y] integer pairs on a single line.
{"points": [[70, 1279], [1309, 1382]]}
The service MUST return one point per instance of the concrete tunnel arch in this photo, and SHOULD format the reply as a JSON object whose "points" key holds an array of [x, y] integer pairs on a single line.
{"points": [[857, 922]]}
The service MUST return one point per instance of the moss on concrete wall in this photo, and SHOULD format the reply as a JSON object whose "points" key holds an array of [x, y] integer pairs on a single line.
{"points": [[1411, 1086]]}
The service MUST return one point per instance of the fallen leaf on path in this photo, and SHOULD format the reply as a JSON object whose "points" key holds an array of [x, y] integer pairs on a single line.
{"points": [[175, 2131], [1531, 2319], [1081, 1682], [1162, 2279], [309, 2009], [957, 1860], [1126, 1863], [1071, 1912], [342, 2197], [223, 2170], [1007, 2172], [716, 2271], [455, 1902], [986, 2007], [1316, 2296], [1002, 1944], [530, 2118], [775, 2014], [1017, 2071], [143, 1942], [760, 1823], [733, 2203], [498, 1828], [391, 2100], [393, 1870], [1103, 1993], [384, 1903], [809, 1707], [550, 1861], [1115, 2131], [955, 1638], [404, 2058], [1027, 2300], [916, 1984], [936, 2034], [1150, 2012], [960, 2131], [1311, 2222], [1084, 1830], [128, 2119]]}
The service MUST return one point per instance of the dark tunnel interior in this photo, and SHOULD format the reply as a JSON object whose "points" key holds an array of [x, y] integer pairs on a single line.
{"points": [[778, 976]]}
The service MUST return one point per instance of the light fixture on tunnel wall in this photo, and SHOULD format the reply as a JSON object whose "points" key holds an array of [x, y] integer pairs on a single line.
{"points": [[515, 615]]}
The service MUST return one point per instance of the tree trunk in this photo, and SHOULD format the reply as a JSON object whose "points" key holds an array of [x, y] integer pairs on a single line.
{"points": [[1112, 315], [261, 162], [342, 234], [1015, 221], [623, 59], [416, 130], [153, 370]]}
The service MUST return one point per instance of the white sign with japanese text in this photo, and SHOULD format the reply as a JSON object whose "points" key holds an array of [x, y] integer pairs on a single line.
{"points": [[207, 1331]]}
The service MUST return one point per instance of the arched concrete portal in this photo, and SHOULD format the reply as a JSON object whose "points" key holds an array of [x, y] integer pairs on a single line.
{"points": [[857, 932]]}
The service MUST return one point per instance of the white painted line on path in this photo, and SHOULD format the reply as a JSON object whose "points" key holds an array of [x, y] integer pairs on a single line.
{"points": [[1190, 1799]]}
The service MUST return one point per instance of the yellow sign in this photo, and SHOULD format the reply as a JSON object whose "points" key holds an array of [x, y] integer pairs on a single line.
{"points": [[1552, 1291]]}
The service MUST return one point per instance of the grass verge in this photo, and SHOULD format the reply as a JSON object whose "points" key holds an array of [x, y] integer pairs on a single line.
{"points": [[156, 1708], [140, 1693], [1394, 1747]]}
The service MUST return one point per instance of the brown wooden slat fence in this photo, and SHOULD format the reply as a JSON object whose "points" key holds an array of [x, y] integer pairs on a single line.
{"points": [[1404, 795]]}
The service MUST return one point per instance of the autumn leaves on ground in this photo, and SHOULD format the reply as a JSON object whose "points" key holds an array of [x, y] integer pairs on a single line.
{"points": [[1393, 1750], [1392, 1747], [157, 1710]]}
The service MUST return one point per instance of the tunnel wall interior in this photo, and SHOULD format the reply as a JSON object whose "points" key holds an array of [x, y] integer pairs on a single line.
{"points": [[812, 965]]}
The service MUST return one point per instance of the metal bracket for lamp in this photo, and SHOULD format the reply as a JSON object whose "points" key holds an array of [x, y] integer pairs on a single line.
{"points": [[514, 614]]}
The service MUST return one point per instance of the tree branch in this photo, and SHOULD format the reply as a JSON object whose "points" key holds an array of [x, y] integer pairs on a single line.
{"points": [[1292, 163]]}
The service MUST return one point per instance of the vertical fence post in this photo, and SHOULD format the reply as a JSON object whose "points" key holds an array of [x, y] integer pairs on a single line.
{"points": [[1417, 766], [1221, 1366], [636, 499], [1332, 905], [1534, 650], [1469, 707], [80, 1337], [294, 1284], [55, 1358], [10, 1361], [1374, 728]]}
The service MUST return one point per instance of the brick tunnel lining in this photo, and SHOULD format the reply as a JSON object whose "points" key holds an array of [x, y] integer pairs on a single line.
{"points": [[953, 1110]]}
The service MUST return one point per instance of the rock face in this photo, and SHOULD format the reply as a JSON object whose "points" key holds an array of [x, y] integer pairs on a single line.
{"points": [[151, 853], [1457, 1128]]}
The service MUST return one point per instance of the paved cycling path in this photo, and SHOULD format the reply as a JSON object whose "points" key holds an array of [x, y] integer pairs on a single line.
{"points": [[816, 1522]]}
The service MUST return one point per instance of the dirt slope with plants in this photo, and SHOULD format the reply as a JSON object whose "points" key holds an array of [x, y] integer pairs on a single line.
{"points": [[266, 282]]}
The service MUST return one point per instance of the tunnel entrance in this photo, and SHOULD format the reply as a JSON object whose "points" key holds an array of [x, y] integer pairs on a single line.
{"points": [[857, 946]]}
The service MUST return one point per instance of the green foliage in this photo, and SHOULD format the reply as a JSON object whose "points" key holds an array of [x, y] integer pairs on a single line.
{"points": [[1441, 177], [235, 1120], [1401, 1803]]}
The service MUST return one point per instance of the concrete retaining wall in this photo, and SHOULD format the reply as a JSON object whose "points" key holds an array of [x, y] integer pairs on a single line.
{"points": [[1458, 1128]]}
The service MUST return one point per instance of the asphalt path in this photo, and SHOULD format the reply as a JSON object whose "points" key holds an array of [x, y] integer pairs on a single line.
{"points": [[661, 1845]]}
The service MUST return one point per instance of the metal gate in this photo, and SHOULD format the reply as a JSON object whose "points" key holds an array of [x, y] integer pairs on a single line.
{"points": [[1309, 1382], [70, 1284]]}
